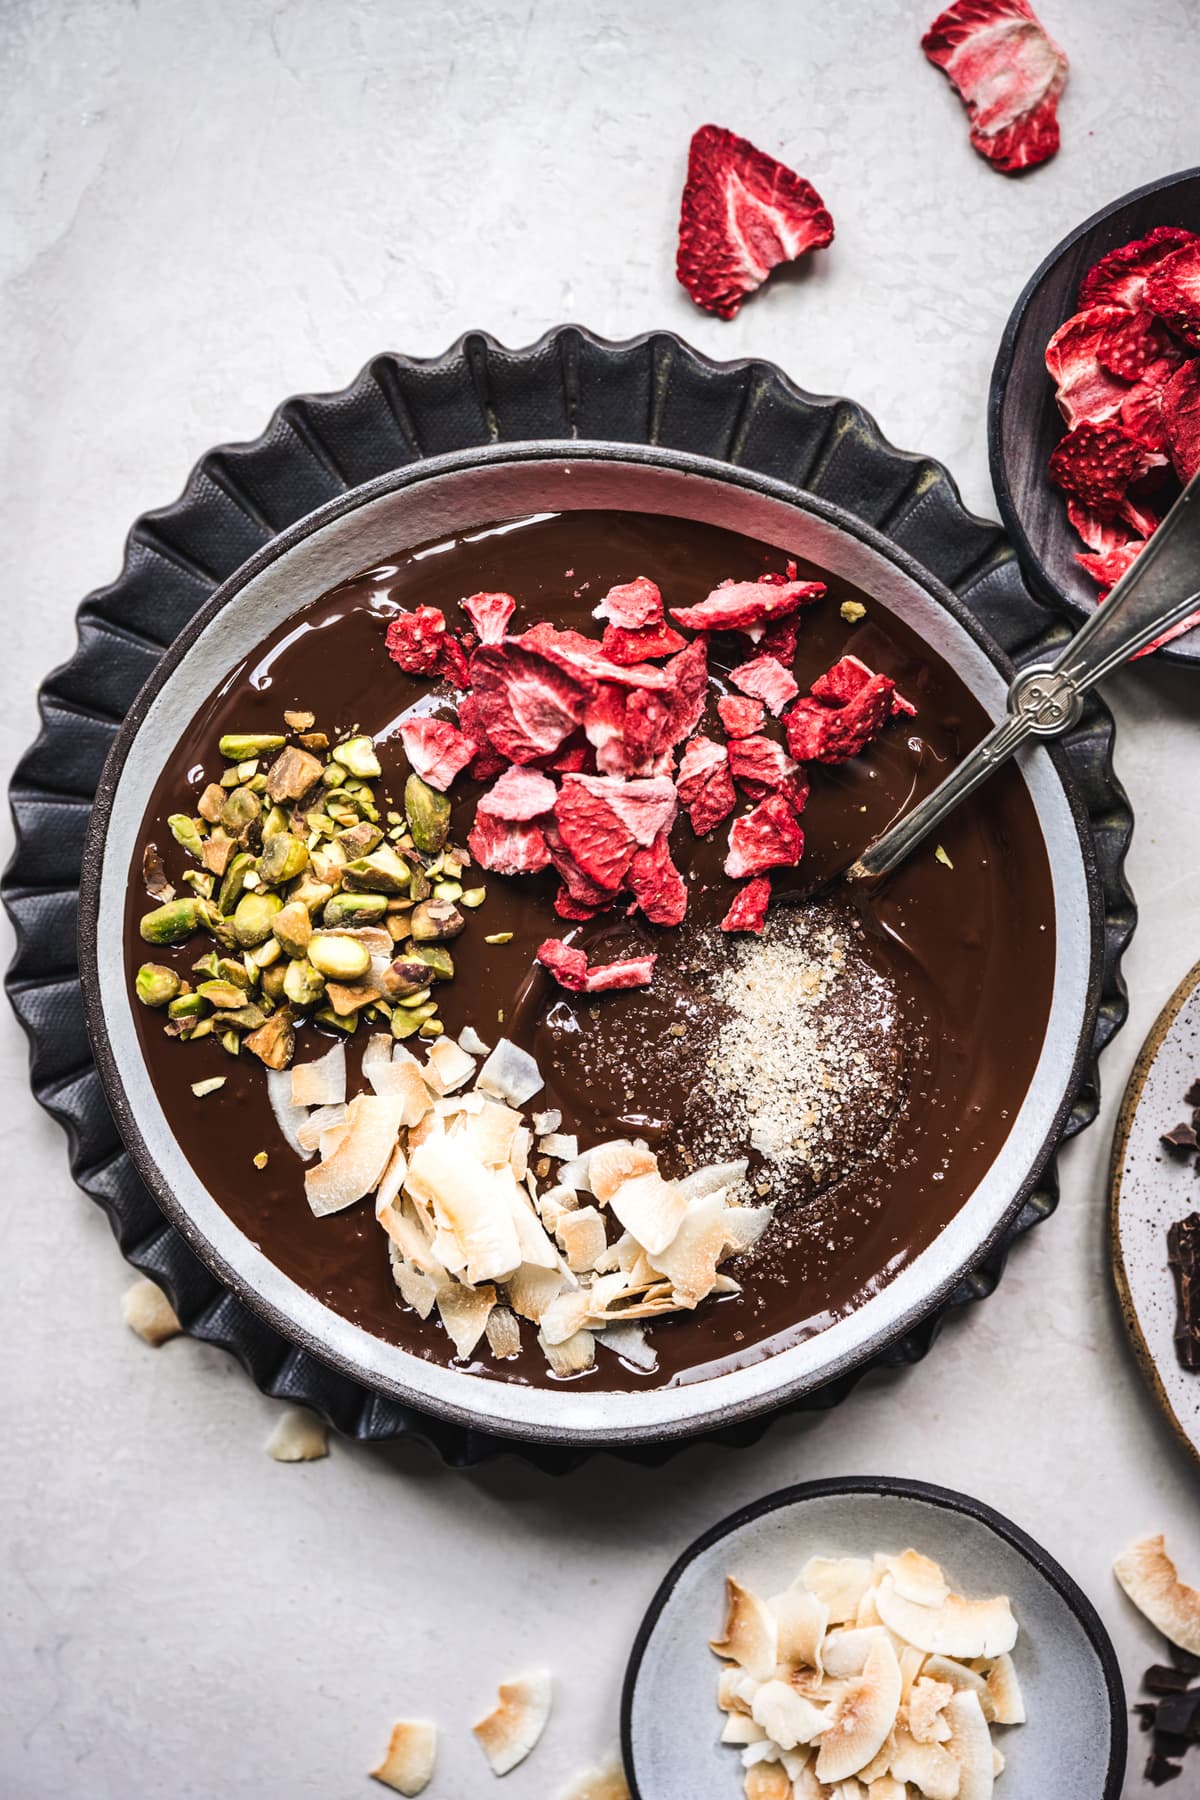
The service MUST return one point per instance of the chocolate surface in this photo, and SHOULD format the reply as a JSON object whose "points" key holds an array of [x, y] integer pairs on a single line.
{"points": [[945, 988]]}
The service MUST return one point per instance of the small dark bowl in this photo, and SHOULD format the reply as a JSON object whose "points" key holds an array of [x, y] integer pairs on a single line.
{"points": [[1024, 423]]}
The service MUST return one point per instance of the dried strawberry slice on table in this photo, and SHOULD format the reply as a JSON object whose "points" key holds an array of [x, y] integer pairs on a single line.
{"points": [[1173, 292], [490, 614], [415, 640], [1099, 463], [760, 767], [742, 215], [1009, 73], [826, 731], [632, 604], [1119, 279], [643, 643], [1085, 387], [520, 794], [527, 705], [1137, 343], [508, 846]]}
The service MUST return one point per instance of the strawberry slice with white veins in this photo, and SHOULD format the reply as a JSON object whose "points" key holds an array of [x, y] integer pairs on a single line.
{"points": [[1009, 73], [742, 215]]}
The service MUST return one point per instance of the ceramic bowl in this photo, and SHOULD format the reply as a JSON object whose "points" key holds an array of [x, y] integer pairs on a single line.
{"points": [[1024, 423], [436, 497], [1073, 1745]]}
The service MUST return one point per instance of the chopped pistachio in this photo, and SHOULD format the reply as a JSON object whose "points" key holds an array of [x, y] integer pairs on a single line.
{"points": [[406, 976], [292, 927], [275, 823], [199, 882], [264, 954], [435, 920], [314, 740], [254, 917], [233, 881], [260, 1159], [340, 957], [451, 866], [185, 1006], [419, 888], [283, 858], [383, 872], [421, 1013], [852, 611], [274, 1043], [251, 880], [229, 1040], [404, 1025], [217, 852], [156, 985], [472, 897], [302, 984], [202, 1028], [221, 993], [210, 802], [428, 814], [347, 1023], [229, 969], [499, 937], [186, 834], [292, 774], [299, 721], [241, 813], [417, 998], [397, 925], [354, 909], [239, 747], [358, 755], [940, 856], [200, 1088], [272, 981], [207, 965], [172, 923], [358, 840], [240, 1018], [436, 958], [447, 890], [154, 876], [431, 1028]]}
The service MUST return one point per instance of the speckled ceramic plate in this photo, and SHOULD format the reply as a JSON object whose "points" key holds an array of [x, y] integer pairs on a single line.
{"points": [[1151, 1189], [1073, 1746]]}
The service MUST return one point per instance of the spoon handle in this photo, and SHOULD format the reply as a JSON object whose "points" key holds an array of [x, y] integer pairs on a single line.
{"points": [[1157, 591]]}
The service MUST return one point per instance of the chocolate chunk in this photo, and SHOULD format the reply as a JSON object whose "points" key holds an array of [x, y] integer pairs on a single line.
{"points": [[1159, 1771], [1183, 1255], [1181, 1139], [1184, 1659], [1179, 1717], [1192, 1097], [1165, 1679], [1146, 1712]]}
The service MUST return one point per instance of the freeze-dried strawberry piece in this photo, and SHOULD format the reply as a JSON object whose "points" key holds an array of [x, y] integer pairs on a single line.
{"points": [[578, 883], [1119, 278], [570, 760], [520, 794], [507, 847], [631, 605], [570, 969], [1181, 419], [1107, 567], [1102, 533], [623, 646], [749, 909], [490, 614], [819, 732], [628, 731], [582, 656], [1141, 411], [1134, 345], [488, 760], [656, 884], [568, 908], [598, 841], [780, 640], [767, 838], [646, 808], [1097, 463], [527, 705], [1173, 291], [705, 785], [1009, 73], [748, 605], [741, 718], [1083, 387], [760, 767], [437, 750], [415, 640], [767, 680], [688, 673], [453, 662], [849, 676], [742, 214]]}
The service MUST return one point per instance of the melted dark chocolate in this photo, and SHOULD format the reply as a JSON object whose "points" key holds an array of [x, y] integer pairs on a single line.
{"points": [[971, 971]]}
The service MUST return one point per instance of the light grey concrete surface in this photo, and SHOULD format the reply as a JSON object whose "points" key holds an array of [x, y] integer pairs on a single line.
{"points": [[207, 206]]}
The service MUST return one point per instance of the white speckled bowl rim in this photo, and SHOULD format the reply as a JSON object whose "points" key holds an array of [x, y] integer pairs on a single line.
{"points": [[1073, 1746], [432, 499]]}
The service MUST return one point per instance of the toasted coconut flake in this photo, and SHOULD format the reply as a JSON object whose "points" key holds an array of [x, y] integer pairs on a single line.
{"points": [[744, 1225], [511, 1074], [583, 1237], [299, 1436], [628, 1341], [845, 1651], [862, 1716], [605, 1783], [531, 1290], [566, 1314], [802, 1622], [471, 1041], [750, 1637], [886, 1787], [731, 1689], [926, 1702], [840, 1582], [956, 1628], [917, 1578], [318, 1123], [929, 1768], [452, 1065], [147, 1311], [355, 1166], [650, 1209], [956, 1674], [518, 1153], [290, 1119], [418, 1290], [411, 1755], [690, 1259], [787, 1717], [321, 1082], [491, 1132], [572, 1356], [465, 1311], [546, 1122], [970, 1745], [503, 1333], [377, 1055], [1149, 1577], [470, 1203], [767, 1781], [727, 1175], [610, 1164], [1003, 1703], [532, 1242], [404, 1081], [390, 1183], [563, 1146], [739, 1728]]}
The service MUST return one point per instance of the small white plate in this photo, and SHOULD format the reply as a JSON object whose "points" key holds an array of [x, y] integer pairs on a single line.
{"points": [[1074, 1745], [1151, 1189]]}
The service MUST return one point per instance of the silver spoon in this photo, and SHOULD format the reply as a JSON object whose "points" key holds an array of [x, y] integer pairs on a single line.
{"points": [[1157, 591]]}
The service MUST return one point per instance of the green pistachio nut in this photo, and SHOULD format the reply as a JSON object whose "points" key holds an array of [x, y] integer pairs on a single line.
{"points": [[428, 815], [435, 920], [238, 747], [185, 833], [241, 813], [156, 985], [293, 927], [274, 822], [231, 970], [403, 1024], [275, 1042], [337, 956], [383, 872], [302, 984], [437, 960], [406, 976], [173, 923], [222, 994], [347, 1023], [472, 897], [253, 918], [233, 881], [347, 910], [358, 755], [283, 858], [186, 1006], [273, 980]]}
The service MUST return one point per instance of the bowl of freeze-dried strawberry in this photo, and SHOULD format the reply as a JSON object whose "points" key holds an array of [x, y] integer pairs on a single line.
{"points": [[1094, 415]]}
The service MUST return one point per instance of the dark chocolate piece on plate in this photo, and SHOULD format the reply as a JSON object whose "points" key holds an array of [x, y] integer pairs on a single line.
{"points": [[1181, 1139], [1183, 1255], [1165, 1678], [1159, 1771], [1179, 1717], [1184, 1659], [1192, 1097]]}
